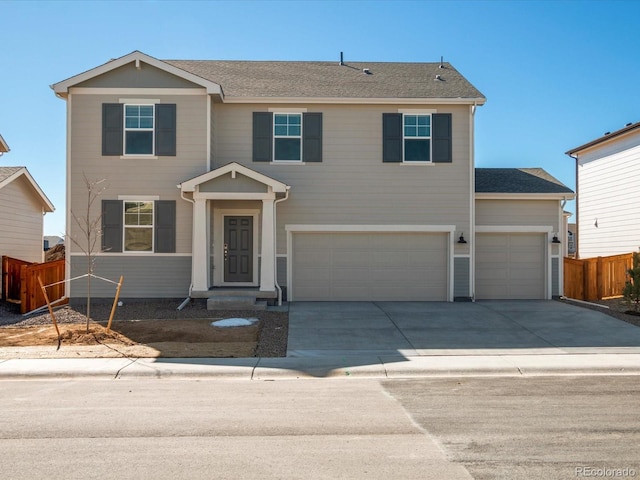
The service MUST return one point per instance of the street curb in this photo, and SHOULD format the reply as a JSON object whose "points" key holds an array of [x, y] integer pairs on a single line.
{"points": [[268, 369]]}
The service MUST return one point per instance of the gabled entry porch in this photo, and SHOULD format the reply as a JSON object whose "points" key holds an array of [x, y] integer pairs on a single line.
{"points": [[233, 230]]}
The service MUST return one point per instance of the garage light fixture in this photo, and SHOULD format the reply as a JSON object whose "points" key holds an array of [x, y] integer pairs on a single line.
{"points": [[461, 239], [555, 238]]}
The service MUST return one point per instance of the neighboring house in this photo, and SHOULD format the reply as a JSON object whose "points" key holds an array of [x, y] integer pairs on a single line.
{"points": [[331, 181], [4, 148], [51, 241], [608, 188], [22, 208]]}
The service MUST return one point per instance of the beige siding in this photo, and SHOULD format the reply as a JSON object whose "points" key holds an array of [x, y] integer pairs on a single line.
{"points": [[128, 76], [352, 185], [137, 176], [518, 212], [20, 222], [144, 276]]}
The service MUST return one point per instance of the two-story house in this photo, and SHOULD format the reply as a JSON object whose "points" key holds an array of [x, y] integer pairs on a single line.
{"points": [[328, 180], [608, 187]]}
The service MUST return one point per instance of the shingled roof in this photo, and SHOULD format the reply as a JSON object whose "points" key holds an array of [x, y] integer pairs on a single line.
{"points": [[6, 172], [332, 80], [517, 180]]}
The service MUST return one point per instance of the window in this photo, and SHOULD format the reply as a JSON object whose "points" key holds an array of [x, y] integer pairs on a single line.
{"points": [[138, 226], [287, 136], [142, 130], [417, 138], [138, 129]]}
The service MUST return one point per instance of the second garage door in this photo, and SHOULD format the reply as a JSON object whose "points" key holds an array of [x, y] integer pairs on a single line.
{"points": [[510, 266], [369, 266]]}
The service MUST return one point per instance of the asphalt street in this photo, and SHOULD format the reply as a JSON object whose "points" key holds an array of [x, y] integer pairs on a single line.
{"points": [[430, 428]]}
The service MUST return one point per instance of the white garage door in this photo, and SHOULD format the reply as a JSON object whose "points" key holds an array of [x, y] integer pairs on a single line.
{"points": [[369, 266], [510, 266]]}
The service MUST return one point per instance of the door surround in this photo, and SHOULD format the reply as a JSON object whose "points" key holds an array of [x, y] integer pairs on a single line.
{"points": [[218, 245]]}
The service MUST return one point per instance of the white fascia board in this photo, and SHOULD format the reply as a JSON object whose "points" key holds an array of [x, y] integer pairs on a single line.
{"points": [[62, 88], [371, 228], [48, 206], [233, 168], [358, 101], [525, 196], [4, 148]]}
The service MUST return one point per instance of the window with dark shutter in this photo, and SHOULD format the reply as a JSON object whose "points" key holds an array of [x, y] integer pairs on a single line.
{"points": [[111, 226], [165, 226], [312, 137], [392, 137], [112, 125], [262, 136], [442, 138]]}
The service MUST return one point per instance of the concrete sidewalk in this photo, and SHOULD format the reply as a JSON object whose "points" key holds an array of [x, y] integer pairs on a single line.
{"points": [[399, 340]]}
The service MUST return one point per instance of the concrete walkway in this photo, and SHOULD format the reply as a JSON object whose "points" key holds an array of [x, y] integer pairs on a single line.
{"points": [[399, 340]]}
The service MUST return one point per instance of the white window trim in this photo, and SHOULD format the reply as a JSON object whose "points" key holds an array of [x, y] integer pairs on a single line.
{"points": [[273, 133], [138, 198], [430, 138], [152, 130]]}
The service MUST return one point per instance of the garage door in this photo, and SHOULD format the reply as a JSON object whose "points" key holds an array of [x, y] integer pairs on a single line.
{"points": [[369, 266], [510, 266]]}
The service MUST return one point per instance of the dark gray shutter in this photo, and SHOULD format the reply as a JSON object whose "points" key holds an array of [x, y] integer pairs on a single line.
{"points": [[111, 226], [441, 136], [392, 137], [165, 226], [112, 124], [312, 137], [262, 136], [166, 129]]}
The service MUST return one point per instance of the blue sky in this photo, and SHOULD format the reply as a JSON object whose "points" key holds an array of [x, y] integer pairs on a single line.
{"points": [[556, 74]]}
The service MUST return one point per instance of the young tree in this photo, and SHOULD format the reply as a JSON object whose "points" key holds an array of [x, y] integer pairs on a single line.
{"points": [[631, 291], [90, 229]]}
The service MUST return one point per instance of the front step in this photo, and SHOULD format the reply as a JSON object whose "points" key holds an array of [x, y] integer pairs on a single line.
{"points": [[237, 302]]}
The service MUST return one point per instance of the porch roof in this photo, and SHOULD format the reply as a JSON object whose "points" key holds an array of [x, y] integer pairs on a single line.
{"points": [[234, 168]]}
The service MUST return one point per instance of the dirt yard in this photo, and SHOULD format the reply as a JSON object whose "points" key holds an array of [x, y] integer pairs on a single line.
{"points": [[142, 330]]}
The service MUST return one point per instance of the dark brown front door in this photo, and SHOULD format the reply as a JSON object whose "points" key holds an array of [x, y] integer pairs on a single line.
{"points": [[238, 249]]}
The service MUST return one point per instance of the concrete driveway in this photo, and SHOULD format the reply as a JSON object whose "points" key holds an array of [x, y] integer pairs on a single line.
{"points": [[320, 329]]}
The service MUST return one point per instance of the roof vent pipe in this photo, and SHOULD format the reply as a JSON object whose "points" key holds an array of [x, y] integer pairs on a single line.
{"points": [[341, 59], [441, 61]]}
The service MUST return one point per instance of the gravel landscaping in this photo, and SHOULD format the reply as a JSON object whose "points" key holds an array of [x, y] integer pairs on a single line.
{"points": [[614, 307]]}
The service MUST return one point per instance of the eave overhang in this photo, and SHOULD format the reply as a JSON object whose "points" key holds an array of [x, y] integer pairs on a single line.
{"points": [[359, 100], [525, 196], [604, 139]]}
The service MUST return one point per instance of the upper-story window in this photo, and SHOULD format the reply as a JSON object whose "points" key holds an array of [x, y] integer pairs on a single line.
{"points": [[138, 226], [138, 129], [417, 138], [287, 136], [133, 129]]}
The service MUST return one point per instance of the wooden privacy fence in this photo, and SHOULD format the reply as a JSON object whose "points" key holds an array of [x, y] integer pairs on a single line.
{"points": [[596, 278], [20, 282]]}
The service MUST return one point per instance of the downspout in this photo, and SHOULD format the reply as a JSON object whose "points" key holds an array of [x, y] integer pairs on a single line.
{"points": [[275, 243], [576, 237], [186, 300], [472, 212]]}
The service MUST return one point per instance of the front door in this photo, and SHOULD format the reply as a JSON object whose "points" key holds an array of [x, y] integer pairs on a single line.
{"points": [[238, 249]]}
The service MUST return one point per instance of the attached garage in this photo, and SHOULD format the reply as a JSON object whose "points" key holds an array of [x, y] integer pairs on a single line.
{"points": [[369, 266], [511, 266]]}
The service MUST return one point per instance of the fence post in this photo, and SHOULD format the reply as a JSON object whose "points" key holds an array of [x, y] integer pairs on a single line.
{"points": [[599, 273]]}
